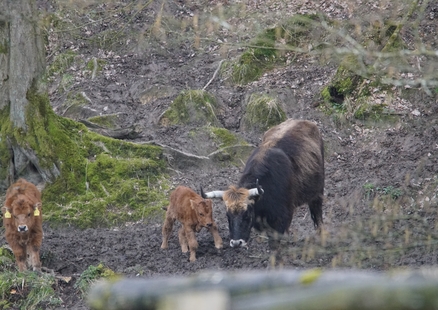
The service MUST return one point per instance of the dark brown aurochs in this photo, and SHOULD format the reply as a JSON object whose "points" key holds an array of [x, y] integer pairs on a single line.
{"points": [[289, 167]]}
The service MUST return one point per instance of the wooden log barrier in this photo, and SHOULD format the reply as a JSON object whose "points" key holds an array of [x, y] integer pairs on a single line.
{"points": [[279, 289]]}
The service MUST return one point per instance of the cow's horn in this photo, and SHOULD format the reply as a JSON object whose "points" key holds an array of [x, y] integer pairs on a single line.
{"points": [[202, 192], [253, 192], [259, 187], [257, 191], [214, 194]]}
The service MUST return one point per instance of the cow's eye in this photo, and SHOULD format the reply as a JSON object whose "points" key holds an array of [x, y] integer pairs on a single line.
{"points": [[28, 215], [201, 214]]}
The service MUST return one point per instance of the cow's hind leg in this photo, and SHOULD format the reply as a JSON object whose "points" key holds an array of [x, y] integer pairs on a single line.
{"points": [[183, 240], [166, 230], [315, 208]]}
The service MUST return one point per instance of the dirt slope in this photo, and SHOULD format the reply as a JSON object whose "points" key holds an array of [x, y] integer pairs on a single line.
{"points": [[363, 161]]}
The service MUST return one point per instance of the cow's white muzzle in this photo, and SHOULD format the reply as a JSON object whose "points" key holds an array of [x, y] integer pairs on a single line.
{"points": [[237, 243]]}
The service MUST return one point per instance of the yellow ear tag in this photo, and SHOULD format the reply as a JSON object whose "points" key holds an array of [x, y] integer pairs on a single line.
{"points": [[36, 212], [7, 215]]}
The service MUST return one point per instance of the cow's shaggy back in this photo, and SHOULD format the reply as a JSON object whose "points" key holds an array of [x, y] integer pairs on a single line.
{"points": [[289, 164]]}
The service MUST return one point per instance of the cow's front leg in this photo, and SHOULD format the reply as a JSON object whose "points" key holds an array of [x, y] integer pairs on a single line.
{"points": [[183, 240], [193, 244], [217, 238]]}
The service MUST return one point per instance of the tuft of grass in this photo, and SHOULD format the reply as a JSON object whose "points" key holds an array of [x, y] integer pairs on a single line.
{"points": [[91, 275], [262, 112], [371, 190], [27, 290], [391, 191], [196, 107]]}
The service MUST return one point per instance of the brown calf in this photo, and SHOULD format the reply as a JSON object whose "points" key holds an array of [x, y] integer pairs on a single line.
{"points": [[22, 218], [193, 212]]}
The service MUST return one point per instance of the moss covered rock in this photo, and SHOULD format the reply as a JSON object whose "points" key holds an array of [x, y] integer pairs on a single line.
{"points": [[262, 112], [192, 107], [100, 181]]}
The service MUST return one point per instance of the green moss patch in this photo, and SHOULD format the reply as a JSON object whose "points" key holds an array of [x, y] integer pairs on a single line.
{"points": [[95, 65], [366, 110], [224, 137], [343, 84], [74, 104], [103, 181], [114, 182], [107, 121], [4, 47], [61, 63], [262, 112], [226, 145], [194, 107], [269, 47]]}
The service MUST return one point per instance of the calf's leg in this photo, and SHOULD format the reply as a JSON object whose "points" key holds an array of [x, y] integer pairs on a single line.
{"points": [[166, 230], [217, 238], [34, 253], [193, 244], [20, 256], [183, 240]]}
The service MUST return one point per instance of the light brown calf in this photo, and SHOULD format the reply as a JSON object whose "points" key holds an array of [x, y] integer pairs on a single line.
{"points": [[22, 218], [193, 212]]}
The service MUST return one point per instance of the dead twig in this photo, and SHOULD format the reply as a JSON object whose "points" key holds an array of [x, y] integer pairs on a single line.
{"points": [[214, 74]]}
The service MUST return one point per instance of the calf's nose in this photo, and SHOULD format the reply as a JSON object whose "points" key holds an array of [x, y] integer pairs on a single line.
{"points": [[22, 228], [209, 224]]}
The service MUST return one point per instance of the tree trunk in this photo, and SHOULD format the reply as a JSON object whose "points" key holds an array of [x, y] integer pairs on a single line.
{"points": [[22, 67]]}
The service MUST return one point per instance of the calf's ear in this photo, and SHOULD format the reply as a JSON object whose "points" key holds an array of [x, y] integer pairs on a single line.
{"points": [[9, 201], [6, 212], [37, 205]]}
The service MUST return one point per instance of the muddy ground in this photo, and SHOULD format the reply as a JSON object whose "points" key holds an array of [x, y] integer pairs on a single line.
{"points": [[398, 155]]}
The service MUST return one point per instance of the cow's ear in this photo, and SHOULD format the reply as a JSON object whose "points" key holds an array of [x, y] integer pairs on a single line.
{"points": [[37, 205]]}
